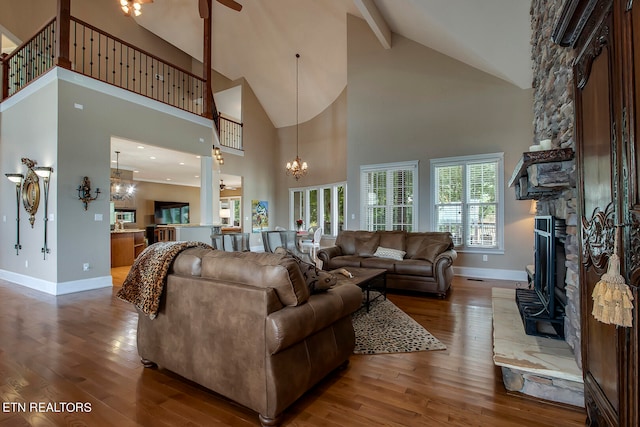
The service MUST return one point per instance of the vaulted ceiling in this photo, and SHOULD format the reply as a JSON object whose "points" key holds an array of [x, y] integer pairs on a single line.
{"points": [[259, 43]]}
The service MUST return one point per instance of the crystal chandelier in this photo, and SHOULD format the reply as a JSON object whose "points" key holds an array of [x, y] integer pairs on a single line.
{"points": [[120, 190], [297, 168]]}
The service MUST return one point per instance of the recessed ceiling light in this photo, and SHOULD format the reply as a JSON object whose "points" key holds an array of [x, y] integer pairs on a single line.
{"points": [[152, 157], [113, 161], [197, 157], [136, 171], [181, 163], [141, 147], [168, 179], [197, 176]]}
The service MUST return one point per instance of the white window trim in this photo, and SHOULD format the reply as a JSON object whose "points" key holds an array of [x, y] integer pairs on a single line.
{"points": [[307, 202], [477, 158], [412, 164]]}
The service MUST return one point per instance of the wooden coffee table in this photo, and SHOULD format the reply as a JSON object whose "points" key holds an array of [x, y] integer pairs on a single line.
{"points": [[366, 278]]}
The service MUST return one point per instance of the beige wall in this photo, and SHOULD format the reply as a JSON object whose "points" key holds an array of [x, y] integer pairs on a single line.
{"points": [[413, 103], [322, 144], [28, 129], [48, 127], [257, 165]]}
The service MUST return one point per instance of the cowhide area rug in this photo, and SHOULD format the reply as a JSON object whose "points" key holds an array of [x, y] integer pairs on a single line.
{"points": [[387, 329]]}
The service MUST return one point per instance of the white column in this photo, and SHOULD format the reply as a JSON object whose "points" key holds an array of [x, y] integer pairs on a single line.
{"points": [[207, 190]]}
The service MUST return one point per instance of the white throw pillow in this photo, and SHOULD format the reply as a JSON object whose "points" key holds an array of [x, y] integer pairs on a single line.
{"points": [[395, 254]]}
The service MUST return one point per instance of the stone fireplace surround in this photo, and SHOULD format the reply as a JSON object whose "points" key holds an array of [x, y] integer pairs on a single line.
{"points": [[553, 119]]}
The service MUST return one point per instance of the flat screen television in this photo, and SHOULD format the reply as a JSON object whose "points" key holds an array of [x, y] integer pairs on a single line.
{"points": [[170, 212]]}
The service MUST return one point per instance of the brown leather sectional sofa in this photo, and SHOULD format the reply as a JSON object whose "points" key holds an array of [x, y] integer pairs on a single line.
{"points": [[245, 325], [426, 265]]}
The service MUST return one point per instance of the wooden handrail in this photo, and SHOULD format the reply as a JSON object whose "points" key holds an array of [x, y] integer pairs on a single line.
{"points": [[119, 40], [224, 116]]}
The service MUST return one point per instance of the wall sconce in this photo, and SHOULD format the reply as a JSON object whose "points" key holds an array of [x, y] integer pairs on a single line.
{"points": [[17, 178], [217, 155], [84, 192], [44, 172]]}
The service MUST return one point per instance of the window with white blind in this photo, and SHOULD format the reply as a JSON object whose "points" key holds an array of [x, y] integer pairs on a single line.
{"points": [[389, 195], [467, 199]]}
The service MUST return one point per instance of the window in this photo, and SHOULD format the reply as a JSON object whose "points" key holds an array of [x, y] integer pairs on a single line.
{"points": [[389, 196], [322, 206], [467, 199]]}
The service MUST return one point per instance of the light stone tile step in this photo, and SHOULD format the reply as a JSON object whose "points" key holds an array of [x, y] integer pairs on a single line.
{"points": [[514, 349]]}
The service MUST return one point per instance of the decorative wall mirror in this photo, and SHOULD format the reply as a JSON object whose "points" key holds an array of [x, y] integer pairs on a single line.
{"points": [[30, 190]]}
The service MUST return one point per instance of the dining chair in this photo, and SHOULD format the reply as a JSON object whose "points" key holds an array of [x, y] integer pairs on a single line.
{"points": [[313, 245]]}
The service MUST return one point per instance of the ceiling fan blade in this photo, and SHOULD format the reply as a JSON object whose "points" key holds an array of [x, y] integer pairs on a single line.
{"points": [[231, 4], [203, 8]]}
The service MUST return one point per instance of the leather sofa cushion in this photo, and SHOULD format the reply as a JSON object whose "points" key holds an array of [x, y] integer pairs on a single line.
{"points": [[262, 270], [375, 262], [392, 239], [347, 240], [429, 251], [366, 245], [415, 240], [344, 261], [189, 262], [290, 325], [414, 267]]}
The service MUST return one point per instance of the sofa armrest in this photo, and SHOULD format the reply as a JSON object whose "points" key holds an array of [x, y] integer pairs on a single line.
{"points": [[445, 259], [443, 269], [325, 254], [290, 325]]}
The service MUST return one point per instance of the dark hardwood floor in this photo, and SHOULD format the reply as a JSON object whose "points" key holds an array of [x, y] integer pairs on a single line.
{"points": [[82, 348]]}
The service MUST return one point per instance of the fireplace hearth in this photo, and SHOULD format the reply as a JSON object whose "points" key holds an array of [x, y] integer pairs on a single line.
{"points": [[542, 307]]}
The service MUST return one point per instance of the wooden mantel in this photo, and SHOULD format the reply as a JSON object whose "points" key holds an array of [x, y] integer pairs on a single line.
{"points": [[520, 178]]}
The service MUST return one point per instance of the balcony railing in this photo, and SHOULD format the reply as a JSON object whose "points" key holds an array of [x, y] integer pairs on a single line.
{"points": [[92, 52], [230, 132], [97, 54], [29, 60]]}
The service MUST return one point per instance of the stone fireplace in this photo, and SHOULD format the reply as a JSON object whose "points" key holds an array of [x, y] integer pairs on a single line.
{"points": [[525, 360], [554, 119]]}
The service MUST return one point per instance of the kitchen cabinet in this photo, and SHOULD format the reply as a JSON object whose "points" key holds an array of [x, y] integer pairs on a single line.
{"points": [[126, 246]]}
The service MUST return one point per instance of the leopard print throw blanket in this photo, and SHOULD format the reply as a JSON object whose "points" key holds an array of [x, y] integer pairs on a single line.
{"points": [[146, 279]]}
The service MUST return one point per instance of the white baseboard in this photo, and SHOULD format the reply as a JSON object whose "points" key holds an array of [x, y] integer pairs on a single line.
{"points": [[53, 288], [491, 273]]}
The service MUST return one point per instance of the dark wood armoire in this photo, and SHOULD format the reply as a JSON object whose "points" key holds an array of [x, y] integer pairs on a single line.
{"points": [[605, 35]]}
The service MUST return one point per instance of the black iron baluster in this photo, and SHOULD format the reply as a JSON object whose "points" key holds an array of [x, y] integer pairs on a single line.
{"points": [[99, 58], [153, 80], [84, 47], [113, 74], [127, 67], [121, 73], [91, 54], [75, 43]]}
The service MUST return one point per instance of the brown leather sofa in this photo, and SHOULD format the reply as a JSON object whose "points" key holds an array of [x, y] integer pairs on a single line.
{"points": [[425, 266], [245, 325]]}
